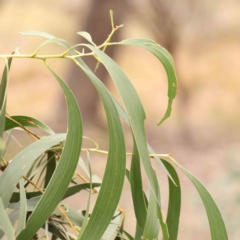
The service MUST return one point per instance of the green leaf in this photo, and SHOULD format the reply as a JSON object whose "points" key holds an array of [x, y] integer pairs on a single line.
{"points": [[51, 39], [124, 116], [151, 229], [128, 235], [77, 188], [37, 33], [112, 184], [31, 204], [87, 36], [51, 165], [65, 170], [13, 216], [2, 144], [163, 225], [154, 218], [3, 99], [138, 233], [16, 196], [174, 202], [23, 208], [165, 58], [5, 223], [27, 122], [137, 189], [6, 142], [134, 109], [21, 164], [89, 198], [216, 223], [70, 191]]}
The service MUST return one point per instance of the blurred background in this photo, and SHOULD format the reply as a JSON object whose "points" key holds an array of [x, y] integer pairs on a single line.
{"points": [[203, 132]]}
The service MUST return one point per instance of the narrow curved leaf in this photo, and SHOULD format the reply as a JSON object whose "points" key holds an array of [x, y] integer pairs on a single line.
{"points": [[21, 164], [89, 198], [124, 116], [70, 191], [165, 58], [137, 189], [174, 202], [154, 218], [5, 223], [3, 97], [27, 122], [216, 223], [115, 170], [23, 208], [152, 226], [128, 235], [51, 166], [138, 233], [65, 170], [13, 216]]}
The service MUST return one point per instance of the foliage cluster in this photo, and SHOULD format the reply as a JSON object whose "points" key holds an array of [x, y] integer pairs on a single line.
{"points": [[38, 178]]}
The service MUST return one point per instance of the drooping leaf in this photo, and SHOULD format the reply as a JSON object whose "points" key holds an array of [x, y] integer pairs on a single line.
{"points": [[165, 58], [26, 122], [89, 198], [70, 191], [65, 170], [138, 233], [31, 203], [137, 190], [115, 170], [128, 235], [23, 208], [124, 116], [6, 142], [174, 202], [151, 229], [13, 216], [216, 223], [5, 223], [154, 218], [22, 162], [51, 165], [3, 99]]}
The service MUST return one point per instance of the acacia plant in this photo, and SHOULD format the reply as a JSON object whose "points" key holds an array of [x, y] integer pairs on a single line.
{"points": [[27, 204]]}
